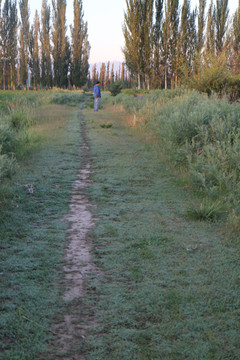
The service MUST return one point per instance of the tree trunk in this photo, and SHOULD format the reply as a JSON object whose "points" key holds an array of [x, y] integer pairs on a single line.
{"points": [[166, 86], [139, 81]]}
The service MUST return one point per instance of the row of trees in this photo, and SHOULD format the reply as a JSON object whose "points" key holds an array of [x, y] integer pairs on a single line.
{"points": [[42, 54], [164, 41], [108, 75]]}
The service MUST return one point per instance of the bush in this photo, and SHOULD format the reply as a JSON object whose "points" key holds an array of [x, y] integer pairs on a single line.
{"points": [[8, 138], [8, 166], [215, 76], [199, 133], [116, 88]]}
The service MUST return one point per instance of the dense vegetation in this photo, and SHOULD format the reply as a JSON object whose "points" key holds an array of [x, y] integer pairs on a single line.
{"points": [[201, 136], [168, 42]]}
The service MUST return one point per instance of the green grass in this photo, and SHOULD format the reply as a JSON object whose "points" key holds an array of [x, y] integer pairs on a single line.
{"points": [[170, 286], [200, 135], [33, 234]]}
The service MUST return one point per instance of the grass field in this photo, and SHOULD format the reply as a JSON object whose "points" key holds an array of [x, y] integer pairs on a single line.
{"points": [[170, 288], [168, 285], [33, 234]]}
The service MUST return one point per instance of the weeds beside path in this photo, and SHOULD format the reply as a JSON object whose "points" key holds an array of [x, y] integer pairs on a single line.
{"points": [[33, 235], [170, 288]]}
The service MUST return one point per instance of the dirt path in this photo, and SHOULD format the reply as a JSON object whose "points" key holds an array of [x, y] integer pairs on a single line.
{"points": [[78, 262]]}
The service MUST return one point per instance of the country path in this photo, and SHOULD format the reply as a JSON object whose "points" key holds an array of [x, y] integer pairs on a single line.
{"points": [[142, 280]]}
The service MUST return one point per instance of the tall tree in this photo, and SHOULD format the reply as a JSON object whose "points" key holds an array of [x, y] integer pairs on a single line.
{"points": [[157, 39], [35, 53], [210, 31], [132, 35], [24, 41], [94, 74], [108, 75], [61, 47], [80, 46], [138, 32], [102, 75], [183, 40], [201, 24], [8, 34], [170, 38], [46, 67], [222, 13]]}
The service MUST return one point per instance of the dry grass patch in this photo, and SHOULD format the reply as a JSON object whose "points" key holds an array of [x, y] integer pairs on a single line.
{"points": [[50, 118]]}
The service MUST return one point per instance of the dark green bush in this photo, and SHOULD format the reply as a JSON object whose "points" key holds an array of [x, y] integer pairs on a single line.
{"points": [[116, 88]]}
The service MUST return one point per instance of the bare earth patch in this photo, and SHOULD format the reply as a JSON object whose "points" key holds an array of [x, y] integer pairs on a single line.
{"points": [[78, 266]]}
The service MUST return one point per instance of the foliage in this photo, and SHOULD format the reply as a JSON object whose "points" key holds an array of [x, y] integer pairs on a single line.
{"points": [[106, 125], [80, 47], [214, 76], [200, 134], [116, 88], [207, 210], [67, 98]]}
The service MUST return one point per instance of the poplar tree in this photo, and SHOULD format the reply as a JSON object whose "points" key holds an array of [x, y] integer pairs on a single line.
{"points": [[132, 35], [138, 33], [13, 43], [94, 74], [86, 55], [201, 25], [210, 31], [147, 31], [8, 34], [46, 68], [108, 75], [80, 46], [170, 38], [61, 47], [35, 53], [102, 75], [24, 41], [183, 40], [157, 41], [221, 20]]}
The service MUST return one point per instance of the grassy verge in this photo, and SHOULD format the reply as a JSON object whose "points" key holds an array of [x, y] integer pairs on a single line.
{"points": [[32, 233], [201, 137], [170, 288]]}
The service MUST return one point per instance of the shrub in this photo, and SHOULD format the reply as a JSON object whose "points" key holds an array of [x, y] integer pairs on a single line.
{"points": [[207, 210], [116, 88], [8, 166], [215, 76], [8, 138], [199, 133]]}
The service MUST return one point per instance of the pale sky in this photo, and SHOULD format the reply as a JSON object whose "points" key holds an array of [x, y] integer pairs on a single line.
{"points": [[105, 19]]}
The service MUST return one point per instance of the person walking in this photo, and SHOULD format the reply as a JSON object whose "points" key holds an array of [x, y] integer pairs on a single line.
{"points": [[97, 95]]}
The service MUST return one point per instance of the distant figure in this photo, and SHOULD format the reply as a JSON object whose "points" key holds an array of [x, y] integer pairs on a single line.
{"points": [[97, 95]]}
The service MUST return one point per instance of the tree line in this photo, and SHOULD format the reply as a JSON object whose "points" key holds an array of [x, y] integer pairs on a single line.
{"points": [[42, 55], [108, 75], [166, 42]]}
